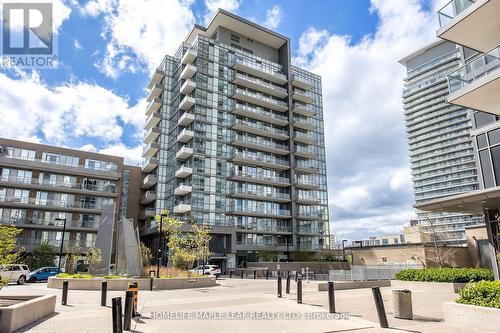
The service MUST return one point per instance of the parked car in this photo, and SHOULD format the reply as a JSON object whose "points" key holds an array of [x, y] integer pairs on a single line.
{"points": [[42, 274], [206, 270], [15, 273]]}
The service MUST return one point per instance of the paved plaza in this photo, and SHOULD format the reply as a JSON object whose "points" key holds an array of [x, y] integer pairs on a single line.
{"points": [[240, 305]]}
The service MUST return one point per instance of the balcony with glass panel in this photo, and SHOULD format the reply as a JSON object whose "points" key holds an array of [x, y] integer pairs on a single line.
{"points": [[186, 103], [183, 172], [182, 208], [258, 70], [147, 213], [259, 85], [259, 129], [259, 195], [148, 197], [306, 166], [260, 160], [183, 189], [259, 113], [184, 153], [149, 164], [301, 82], [155, 92], [310, 199], [188, 72], [258, 143], [153, 106], [149, 181], [306, 110], [471, 23], [157, 76], [186, 119], [310, 214], [150, 150], [185, 136], [260, 178], [187, 87], [303, 96], [476, 85], [305, 151], [189, 57], [307, 138], [50, 204], [260, 99], [307, 183], [259, 211], [151, 135], [152, 120], [263, 228], [303, 123]]}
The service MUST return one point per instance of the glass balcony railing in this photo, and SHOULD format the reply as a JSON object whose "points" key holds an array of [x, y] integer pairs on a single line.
{"points": [[260, 158], [52, 202], [262, 176], [263, 194], [260, 210], [452, 9], [68, 244], [474, 69], [259, 126], [306, 164], [264, 228], [260, 111], [262, 83], [261, 97], [50, 223], [61, 184], [258, 67], [108, 167], [259, 142]]}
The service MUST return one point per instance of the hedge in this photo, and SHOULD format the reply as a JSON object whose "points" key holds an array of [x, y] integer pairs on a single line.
{"points": [[456, 275], [85, 276], [484, 293]]}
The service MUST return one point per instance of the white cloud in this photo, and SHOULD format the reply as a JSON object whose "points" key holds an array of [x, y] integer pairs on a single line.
{"points": [[213, 5], [65, 112], [94, 8], [365, 135], [273, 17], [88, 147], [132, 155], [76, 44], [140, 32]]}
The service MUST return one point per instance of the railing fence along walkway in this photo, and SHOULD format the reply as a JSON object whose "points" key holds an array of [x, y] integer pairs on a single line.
{"points": [[367, 273]]}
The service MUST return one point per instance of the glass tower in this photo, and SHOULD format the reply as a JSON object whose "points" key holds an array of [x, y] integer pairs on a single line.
{"points": [[234, 140]]}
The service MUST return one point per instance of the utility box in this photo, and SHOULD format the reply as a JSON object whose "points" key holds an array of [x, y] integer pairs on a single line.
{"points": [[401, 304]]}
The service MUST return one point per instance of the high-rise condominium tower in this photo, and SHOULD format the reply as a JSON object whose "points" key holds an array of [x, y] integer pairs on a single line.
{"points": [[441, 149], [234, 139]]}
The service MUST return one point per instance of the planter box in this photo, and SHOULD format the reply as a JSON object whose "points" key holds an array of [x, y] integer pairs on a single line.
{"points": [[323, 286], [473, 316], [143, 283], [427, 286], [27, 310]]}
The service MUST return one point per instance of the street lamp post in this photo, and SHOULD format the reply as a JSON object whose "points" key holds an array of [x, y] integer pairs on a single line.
{"points": [[160, 236], [62, 243], [343, 248]]}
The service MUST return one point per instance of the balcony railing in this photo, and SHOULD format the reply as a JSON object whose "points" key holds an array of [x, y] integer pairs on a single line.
{"points": [[262, 194], [475, 69], [259, 68], [258, 110], [260, 210], [452, 9], [261, 176], [51, 183], [259, 142], [51, 203], [68, 244], [107, 167], [50, 223], [259, 126], [264, 228], [260, 158], [260, 82], [261, 97]]}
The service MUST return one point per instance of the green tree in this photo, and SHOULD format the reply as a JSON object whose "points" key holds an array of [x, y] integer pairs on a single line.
{"points": [[94, 258], [8, 253], [146, 255], [41, 256]]}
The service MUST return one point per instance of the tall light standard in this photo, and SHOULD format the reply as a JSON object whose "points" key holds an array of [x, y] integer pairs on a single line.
{"points": [[343, 248], [160, 247], [62, 243]]}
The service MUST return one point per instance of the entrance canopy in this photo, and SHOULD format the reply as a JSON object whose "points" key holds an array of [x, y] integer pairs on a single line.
{"points": [[472, 202]]}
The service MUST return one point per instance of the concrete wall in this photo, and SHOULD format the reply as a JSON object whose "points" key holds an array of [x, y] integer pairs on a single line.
{"points": [[21, 314], [258, 49], [478, 317], [450, 256], [474, 233], [134, 193], [316, 267]]}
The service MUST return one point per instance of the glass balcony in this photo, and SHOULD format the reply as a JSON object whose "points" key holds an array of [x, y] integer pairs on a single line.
{"points": [[149, 164], [150, 150], [260, 99], [307, 138], [152, 120], [27, 182], [184, 153], [303, 96], [189, 56], [314, 214], [259, 85], [182, 208], [307, 199], [155, 92], [260, 114], [305, 110], [183, 189], [96, 206], [185, 136], [68, 244], [303, 123], [147, 213], [158, 75], [259, 144], [154, 106], [151, 135], [308, 183], [259, 129], [306, 166], [261, 178], [476, 84], [305, 151], [149, 181], [264, 228], [188, 72], [261, 195], [183, 172], [148, 197], [259, 211], [302, 82], [452, 9], [253, 68], [261, 160]]}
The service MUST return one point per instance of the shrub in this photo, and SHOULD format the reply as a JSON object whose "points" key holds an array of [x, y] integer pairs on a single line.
{"points": [[484, 293], [4, 281], [74, 276], [111, 277], [456, 275], [170, 272]]}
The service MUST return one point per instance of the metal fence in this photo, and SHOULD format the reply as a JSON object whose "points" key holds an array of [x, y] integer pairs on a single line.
{"points": [[367, 273]]}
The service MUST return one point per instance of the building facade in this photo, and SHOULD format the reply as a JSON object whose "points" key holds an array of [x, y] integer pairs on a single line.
{"points": [[234, 140], [44, 187], [439, 136]]}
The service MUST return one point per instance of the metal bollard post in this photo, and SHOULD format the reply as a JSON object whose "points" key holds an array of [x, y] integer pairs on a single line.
{"points": [[117, 314], [230, 274], [331, 297], [242, 274], [104, 291], [129, 308], [254, 275], [299, 290], [64, 300], [133, 286], [280, 291], [151, 284], [379, 303], [267, 275], [288, 284]]}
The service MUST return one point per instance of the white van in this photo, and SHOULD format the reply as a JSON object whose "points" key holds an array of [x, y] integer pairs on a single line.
{"points": [[15, 273]]}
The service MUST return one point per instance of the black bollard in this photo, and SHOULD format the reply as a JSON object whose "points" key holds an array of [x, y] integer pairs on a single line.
{"points": [[64, 300], [117, 314], [331, 297], [129, 309], [288, 283], [280, 291], [104, 291], [254, 275], [379, 303], [151, 284], [299, 290], [267, 275], [242, 274], [230, 274]]}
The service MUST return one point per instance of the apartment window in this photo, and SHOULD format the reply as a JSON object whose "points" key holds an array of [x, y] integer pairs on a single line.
{"points": [[484, 158], [235, 38], [60, 159], [481, 141], [19, 153], [494, 137]]}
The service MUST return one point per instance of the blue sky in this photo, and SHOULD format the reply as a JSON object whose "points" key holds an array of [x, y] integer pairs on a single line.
{"points": [[95, 100]]}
